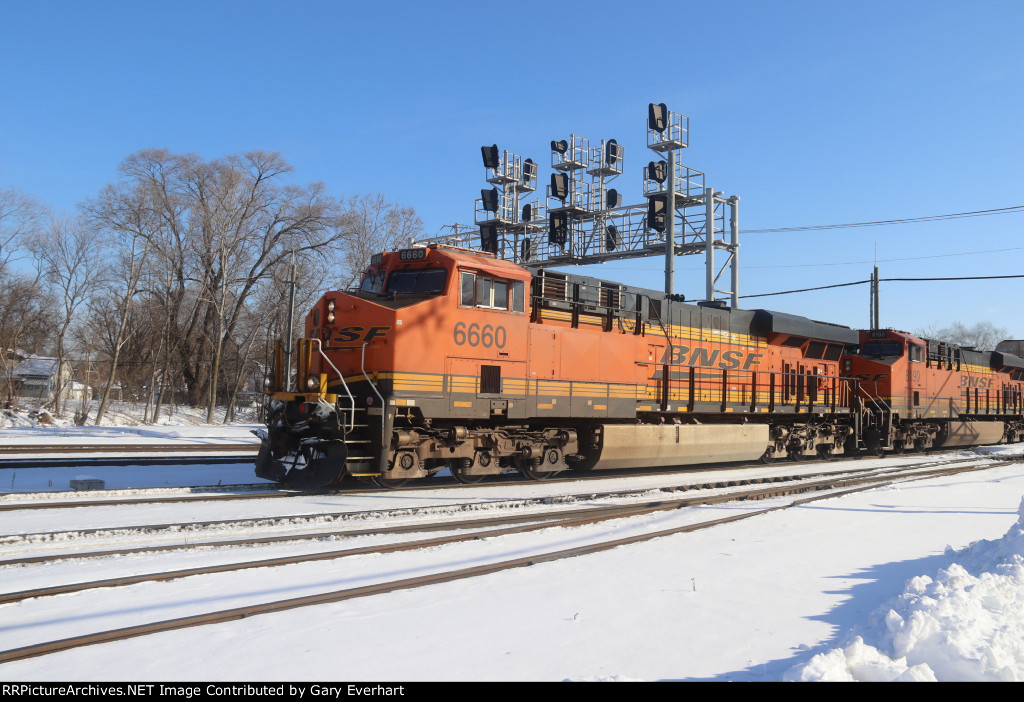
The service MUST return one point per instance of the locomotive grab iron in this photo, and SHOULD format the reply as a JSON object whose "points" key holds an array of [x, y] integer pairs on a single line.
{"points": [[451, 358]]}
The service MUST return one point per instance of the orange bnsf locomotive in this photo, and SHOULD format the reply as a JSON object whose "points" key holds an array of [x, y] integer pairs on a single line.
{"points": [[451, 358], [922, 394]]}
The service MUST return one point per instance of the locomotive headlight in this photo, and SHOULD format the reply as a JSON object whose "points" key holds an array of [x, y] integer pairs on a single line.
{"points": [[330, 317], [312, 382], [331, 305]]}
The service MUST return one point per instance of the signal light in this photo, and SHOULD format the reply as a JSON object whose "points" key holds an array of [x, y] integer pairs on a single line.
{"points": [[527, 212], [529, 171], [656, 207], [560, 185], [558, 228], [490, 154], [611, 237], [612, 199], [657, 171], [560, 146], [611, 152], [657, 117], [525, 250], [489, 238], [490, 199]]}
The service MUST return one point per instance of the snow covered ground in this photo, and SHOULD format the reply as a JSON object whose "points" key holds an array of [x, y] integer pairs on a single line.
{"points": [[922, 581]]}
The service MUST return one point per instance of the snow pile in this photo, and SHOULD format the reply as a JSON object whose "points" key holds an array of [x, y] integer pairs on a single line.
{"points": [[965, 624]]}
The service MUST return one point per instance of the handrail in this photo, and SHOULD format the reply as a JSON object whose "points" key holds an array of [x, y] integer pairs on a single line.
{"points": [[373, 386], [885, 405], [753, 382], [352, 415]]}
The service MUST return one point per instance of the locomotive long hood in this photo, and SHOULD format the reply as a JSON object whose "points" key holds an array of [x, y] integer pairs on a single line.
{"points": [[768, 322]]}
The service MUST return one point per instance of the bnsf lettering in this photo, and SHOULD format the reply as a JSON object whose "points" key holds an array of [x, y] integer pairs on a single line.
{"points": [[710, 358], [871, 377], [348, 335], [967, 381]]}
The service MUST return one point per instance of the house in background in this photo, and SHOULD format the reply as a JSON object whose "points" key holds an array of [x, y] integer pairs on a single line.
{"points": [[39, 377]]}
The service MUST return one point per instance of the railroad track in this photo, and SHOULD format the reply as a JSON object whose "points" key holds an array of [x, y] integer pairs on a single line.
{"points": [[193, 530], [115, 449], [59, 499], [292, 519], [25, 457], [492, 527]]}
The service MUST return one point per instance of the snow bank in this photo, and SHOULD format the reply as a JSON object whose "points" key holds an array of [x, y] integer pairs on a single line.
{"points": [[122, 414], [966, 623]]}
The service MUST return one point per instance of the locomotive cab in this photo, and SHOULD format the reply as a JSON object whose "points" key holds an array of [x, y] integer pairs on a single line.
{"points": [[383, 350], [921, 393]]}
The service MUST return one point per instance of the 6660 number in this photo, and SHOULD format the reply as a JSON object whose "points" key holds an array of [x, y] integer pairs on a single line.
{"points": [[475, 335]]}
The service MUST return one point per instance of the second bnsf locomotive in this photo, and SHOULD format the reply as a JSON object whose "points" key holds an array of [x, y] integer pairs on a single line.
{"points": [[451, 358]]}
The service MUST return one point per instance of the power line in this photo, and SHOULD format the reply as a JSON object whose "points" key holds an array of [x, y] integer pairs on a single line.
{"points": [[886, 280], [822, 287], [885, 222]]}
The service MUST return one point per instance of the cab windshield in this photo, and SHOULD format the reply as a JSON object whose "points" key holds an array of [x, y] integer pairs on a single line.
{"points": [[418, 281], [882, 348]]}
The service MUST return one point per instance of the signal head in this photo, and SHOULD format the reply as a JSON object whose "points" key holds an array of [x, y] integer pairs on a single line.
{"points": [[611, 152], [490, 154], [490, 199], [560, 185], [657, 116]]}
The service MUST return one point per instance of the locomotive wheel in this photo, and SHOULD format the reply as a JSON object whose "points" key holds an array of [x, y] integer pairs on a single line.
{"points": [[899, 447], [919, 446], [388, 483], [825, 453], [541, 468], [769, 455], [532, 473], [458, 469], [873, 441]]}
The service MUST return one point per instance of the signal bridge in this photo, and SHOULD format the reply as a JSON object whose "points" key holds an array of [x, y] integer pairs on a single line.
{"points": [[582, 221]]}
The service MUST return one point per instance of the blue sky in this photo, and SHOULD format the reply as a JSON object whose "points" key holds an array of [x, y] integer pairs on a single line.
{"points": [[812, 112]]}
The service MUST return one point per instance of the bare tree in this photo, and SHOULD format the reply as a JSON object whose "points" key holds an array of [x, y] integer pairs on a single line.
{"points": [[23, 324], [22, 302], [982, 336], [20, 216], [68, 255], [217, 231], [205, 247], [126, 215], [372, 224]]}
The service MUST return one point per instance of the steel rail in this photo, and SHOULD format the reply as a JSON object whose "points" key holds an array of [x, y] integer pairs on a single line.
{"points": [[247, 447]]}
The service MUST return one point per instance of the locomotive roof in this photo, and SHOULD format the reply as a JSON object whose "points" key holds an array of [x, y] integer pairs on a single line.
{"points": [[1001, 359], [760, 321], [766, 321]]}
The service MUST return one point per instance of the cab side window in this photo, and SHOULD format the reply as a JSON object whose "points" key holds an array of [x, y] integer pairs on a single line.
{"points": [[478, 290]]}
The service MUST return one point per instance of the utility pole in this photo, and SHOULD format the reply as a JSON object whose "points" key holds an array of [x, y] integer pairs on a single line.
{"points": [[286, 382], [875, 317]]}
